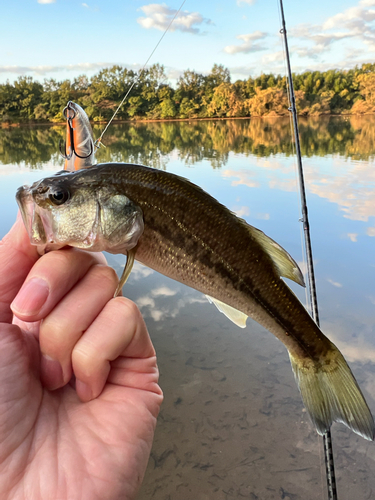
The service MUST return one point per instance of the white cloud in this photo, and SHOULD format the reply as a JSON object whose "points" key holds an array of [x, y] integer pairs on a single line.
{"points": [[46, 70], [354, 18], [42, 70], [264, 216], [353, 237], [46, 1], [274, 63], [159, 16], [247, 45], [322, 41], [274, 57], [248, 2], [241, 211], [354, 22]]}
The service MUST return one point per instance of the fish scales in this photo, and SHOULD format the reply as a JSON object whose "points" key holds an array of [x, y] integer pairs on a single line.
{"points": [[192, 238], [176, 228]]}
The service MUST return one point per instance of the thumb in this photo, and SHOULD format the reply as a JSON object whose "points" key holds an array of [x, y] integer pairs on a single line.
{"points": [[17, 256]]}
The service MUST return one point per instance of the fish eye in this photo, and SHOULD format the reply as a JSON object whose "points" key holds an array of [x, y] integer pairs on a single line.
{"points": [[59, 197]]}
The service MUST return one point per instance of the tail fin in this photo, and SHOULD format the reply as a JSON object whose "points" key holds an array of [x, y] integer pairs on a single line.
{"points": [[331, 394]]}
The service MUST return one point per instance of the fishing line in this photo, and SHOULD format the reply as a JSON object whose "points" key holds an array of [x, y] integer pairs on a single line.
{"points": [[136, 80], [327, 440]]}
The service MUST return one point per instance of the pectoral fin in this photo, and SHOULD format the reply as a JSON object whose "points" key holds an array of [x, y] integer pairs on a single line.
{"points": [[283, 262], [238, 317], [127, 270]]}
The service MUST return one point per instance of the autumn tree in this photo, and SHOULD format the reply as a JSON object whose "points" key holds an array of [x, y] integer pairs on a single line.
{"points": [[226, 101]]}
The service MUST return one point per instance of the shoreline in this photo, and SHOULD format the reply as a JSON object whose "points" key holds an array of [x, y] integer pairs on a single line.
{"points": [[164, 120]]}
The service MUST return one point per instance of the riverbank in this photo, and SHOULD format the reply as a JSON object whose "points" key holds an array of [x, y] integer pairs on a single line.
{"points": [[196, 96], [177, 120]]}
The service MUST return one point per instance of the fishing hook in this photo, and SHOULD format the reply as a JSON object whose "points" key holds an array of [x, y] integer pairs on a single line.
{"points": [[64, 154], [69, 114]]}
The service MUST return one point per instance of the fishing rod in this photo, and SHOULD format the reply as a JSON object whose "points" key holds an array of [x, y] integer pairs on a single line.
{"points": [[327, 439]]}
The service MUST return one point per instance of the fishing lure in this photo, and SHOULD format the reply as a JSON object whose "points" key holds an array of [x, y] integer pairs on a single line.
{"points": [[79, 149]]}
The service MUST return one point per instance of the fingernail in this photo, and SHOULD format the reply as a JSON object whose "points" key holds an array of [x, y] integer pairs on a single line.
{"points": [[51, 373], [31, 298], [84, 391]]}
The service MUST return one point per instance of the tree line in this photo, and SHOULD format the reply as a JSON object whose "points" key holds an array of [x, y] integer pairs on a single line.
{"points": [[194, 96]]}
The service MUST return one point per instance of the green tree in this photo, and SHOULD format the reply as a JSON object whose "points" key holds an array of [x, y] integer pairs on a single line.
{"points": [[189, 94]]}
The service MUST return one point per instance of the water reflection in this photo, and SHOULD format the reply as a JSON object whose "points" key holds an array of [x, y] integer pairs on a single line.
{"points": [[31, 146], [151, 143]]}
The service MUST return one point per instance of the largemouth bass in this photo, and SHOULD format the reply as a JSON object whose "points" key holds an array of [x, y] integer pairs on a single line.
{"points": [[79, 144], [177, 229]]}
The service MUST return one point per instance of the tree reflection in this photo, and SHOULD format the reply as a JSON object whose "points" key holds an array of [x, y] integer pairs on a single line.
{"points": [[212, 140]]}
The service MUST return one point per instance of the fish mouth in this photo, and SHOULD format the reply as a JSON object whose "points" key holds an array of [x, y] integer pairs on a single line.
{"points": [[37, 221]]}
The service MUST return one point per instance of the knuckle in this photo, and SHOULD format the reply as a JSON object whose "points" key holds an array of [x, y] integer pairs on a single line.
{"points": [[85, 360], [53, 338]]}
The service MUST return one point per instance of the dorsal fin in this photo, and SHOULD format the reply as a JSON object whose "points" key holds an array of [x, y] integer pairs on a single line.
{"points": [[283, 262], [239, 318]]}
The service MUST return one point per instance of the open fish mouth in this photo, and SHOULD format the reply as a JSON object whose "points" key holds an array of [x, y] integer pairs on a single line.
{"points": [[58, 213], [37, 220]]}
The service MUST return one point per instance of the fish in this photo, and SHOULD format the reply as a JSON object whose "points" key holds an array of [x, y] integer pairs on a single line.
{"points": [[176, 228], [79, 151]]}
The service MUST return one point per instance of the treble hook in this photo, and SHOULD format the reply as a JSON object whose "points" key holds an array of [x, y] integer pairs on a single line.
{"points": [[83, 157], [64, 154], [66, 109], [69, 114]]}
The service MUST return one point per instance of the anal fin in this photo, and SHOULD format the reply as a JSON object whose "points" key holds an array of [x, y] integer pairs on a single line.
{"points": [[238, 317]]}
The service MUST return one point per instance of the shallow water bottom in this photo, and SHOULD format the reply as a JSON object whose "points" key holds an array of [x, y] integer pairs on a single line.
{"points": [[232, 424]]}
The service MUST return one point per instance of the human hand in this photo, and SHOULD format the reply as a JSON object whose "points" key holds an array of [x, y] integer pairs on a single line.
{"points": [[57, 441]]}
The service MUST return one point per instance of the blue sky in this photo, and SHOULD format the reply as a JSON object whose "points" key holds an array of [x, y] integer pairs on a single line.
{"points": [[65, 38]]}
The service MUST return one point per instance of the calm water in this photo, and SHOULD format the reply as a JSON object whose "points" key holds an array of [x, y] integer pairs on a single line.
{"points": [[232, 424]]}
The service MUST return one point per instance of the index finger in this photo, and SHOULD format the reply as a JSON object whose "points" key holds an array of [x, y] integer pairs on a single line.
{"points": [[17, 256]]}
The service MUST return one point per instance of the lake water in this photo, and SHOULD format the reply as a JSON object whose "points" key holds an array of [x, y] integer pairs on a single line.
{"points": [[233, 424]]}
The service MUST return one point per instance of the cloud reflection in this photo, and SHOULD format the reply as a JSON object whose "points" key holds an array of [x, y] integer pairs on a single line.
{"points": [[350, 184], [140, 271], [163, 291], [244, 176], [335, 283], [158, 304]]}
